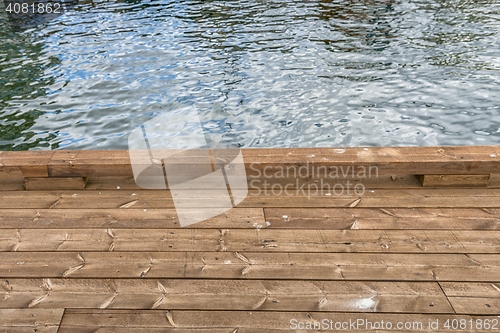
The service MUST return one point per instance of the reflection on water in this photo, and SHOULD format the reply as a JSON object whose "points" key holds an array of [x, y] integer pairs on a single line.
{"points": [[262, 73], [22, 80]]}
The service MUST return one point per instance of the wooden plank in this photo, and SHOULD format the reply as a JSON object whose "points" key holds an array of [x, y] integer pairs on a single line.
{"points": [[30, 320], [432, 198], [43, 329], [111, 183], [389, 160], [383, 181], [380, 218], [81, 163], [456, 289], [494, 180], [271, 295], [11, 179], [333, 185], [251, 265], [250, 218], [474, 298], [453, 180], [149, 199], [55, 183], [450, 153], [100, 329], [230, 330], [122, 218], [258, 240], [30, 163], [247, 321], [476, 305], [12, 184]]}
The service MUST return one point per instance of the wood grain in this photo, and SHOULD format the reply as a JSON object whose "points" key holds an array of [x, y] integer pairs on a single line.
{"points": [[263, 240], [244, 321], [16, 320], [253, 265], [270, 295]]}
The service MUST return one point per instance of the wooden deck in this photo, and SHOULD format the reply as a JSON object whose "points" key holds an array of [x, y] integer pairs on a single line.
{"points": [[84, 249]]}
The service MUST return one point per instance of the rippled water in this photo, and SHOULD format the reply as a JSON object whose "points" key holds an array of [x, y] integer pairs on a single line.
{"points": [[262, 73]]}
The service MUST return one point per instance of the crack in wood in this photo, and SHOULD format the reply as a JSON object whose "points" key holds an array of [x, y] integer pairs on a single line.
{"points": [[129, 204], [341, 272], [161, 287], [355, 225], [170, 319], [56, 202], [355, 203], [107, 302], [260, 303], [37, 301], [385, 211], [72, 270], [109, 231], [47, 284], [242, 258], [158, 302], [144, 272], [475, 262]]}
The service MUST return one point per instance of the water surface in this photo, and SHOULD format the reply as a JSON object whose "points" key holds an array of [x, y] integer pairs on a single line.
{"points": [[261, 73]]}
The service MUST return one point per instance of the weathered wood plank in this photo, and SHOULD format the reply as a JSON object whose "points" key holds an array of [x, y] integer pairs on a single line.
{"points": [[378, 198], [95, 329], [30, 163], [380, 218], [476, 305], [252, 265], [235, 330], [111, 183], [30, 320], [122, 218], [456, 289], [258, 240], [494, 180], [55, 183], [11, 179], [383, 181], [248, 321], [271, 295], [81, 163], [389, 160], [27, 329], [453, 180], [145, 329], [12, 184], [474, 298], [437, 198], [250, 218]]}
